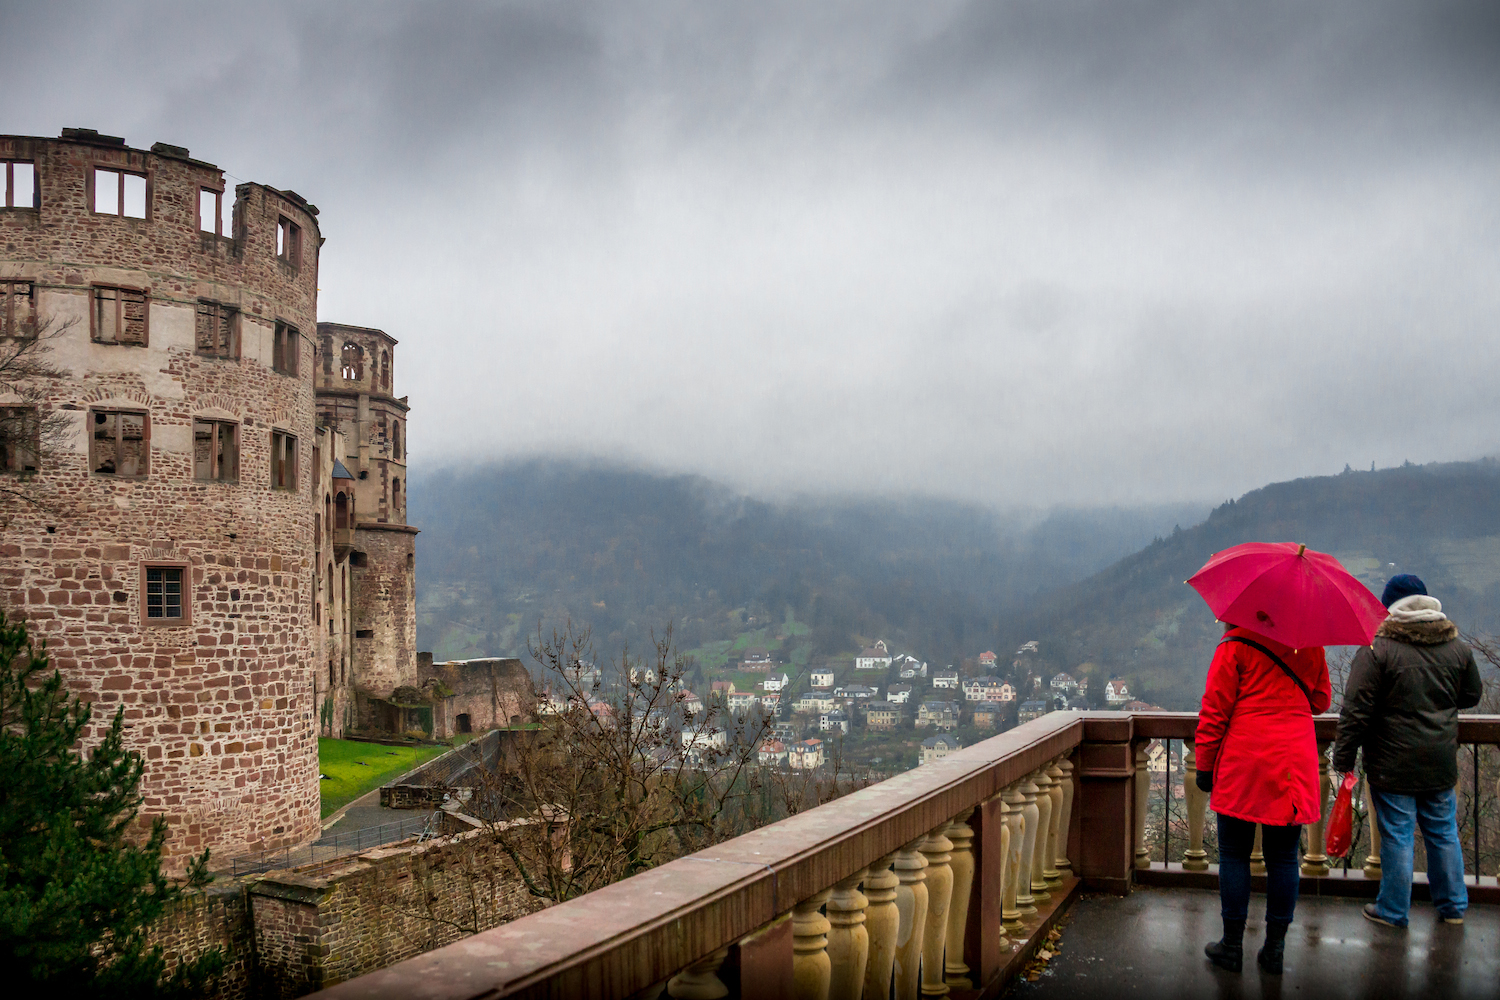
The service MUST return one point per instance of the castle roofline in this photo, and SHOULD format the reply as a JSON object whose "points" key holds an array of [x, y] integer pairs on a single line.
{"points": [[358, 329]]}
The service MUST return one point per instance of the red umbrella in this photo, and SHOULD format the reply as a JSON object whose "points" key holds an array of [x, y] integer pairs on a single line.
{"points": [[1289, 593]]}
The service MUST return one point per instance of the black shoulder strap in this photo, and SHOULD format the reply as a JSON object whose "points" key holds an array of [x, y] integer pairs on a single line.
{"points": [[1276, 660]]}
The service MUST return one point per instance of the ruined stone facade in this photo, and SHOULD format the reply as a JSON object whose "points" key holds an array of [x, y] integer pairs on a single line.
{"points": [[471, 696], [179, 551]]}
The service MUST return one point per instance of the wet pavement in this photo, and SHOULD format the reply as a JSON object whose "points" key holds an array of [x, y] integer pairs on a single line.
{"points": [[1150, 944]]}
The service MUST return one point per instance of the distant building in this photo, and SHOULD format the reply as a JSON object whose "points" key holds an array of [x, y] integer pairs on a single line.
{"points": [[937, 714], [772, 753], [1007, 692], [742, 701], [856, 691], [945, 679], [987, 660], [690, 703], [1140, 706], [1064, 684], [882, 716], [756, 658], [1116, 693], [716, 686], [775, 682], [938, 747], [982, 689], [814, 701], [821, 677], [899, 694], [836, 721], [911, 668], [987, 715], [1031, 710], [1029, 647], [874, 657], [806, 755], [771, 701], [711, 738]]}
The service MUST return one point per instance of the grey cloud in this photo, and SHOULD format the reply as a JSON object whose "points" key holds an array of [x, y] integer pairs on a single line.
{"points": [[1017, 251]]}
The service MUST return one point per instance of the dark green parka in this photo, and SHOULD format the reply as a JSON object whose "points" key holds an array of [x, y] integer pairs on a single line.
{"points": [[1401, 706]]}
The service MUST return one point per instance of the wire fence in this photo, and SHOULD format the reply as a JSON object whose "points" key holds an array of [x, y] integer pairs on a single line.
{"points": [[335, 846]]}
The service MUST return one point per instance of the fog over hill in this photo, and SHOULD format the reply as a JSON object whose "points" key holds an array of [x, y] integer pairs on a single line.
{"points": [[506, 545]]}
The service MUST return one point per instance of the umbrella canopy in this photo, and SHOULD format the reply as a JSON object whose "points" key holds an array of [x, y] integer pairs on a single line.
{"points": [[1290, 593]]}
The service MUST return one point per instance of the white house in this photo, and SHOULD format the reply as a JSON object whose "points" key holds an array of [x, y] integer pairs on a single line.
{"points": [[1064, 684], [875, 657], [772, 752], [987, 660], [822, 677], [912, 668], [856, 691], [836, 721], [691, 703], [776, 682], [806, 755], [711, 738], [742, 701], [982, 689], [1007, 692], [899, 694], [756, 658], [1116, 693], [938, 747], [771, 701], [945, 679]]}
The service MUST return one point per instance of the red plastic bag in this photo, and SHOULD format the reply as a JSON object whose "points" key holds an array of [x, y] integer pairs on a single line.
{"points": [[1341, 823]]}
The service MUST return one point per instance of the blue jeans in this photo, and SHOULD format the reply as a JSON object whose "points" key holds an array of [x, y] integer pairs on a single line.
{"points": [[1437, 814], [1278, 848]]}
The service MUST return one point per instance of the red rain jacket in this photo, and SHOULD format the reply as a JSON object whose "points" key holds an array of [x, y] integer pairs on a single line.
{"points": [[1255, 731]]}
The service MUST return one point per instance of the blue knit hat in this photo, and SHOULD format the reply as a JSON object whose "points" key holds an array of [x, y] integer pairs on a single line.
{"points": [[1402, 585]]}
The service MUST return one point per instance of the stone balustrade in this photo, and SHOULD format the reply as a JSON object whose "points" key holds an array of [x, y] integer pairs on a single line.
{"points": [[939, 881]]}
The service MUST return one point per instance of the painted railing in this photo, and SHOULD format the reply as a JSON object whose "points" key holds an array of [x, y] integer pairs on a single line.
{"points": [[941, 880]]}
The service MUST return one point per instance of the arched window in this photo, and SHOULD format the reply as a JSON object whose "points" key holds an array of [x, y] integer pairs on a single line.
{"points": [[341, 510], [353, 357], [385, 371], [396, 439], [395, 494], [328, 511]]}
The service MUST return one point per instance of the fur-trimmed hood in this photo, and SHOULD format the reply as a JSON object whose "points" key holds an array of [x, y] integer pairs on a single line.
{"points": [[1418, 633]]}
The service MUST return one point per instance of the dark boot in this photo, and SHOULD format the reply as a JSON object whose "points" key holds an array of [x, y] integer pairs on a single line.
{"points": [[1271, 952], [1229, 951]]}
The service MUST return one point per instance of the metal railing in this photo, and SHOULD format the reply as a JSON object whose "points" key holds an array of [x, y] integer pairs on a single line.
{"points": [[335, 846]]}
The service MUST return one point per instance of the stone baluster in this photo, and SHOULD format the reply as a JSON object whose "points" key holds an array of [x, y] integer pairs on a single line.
{"points": [[1372, 860], [1195, 858], [1050, 873], [911, 904], [700, 981], [936, 850], [1043, 784], [1002, 817], [1015, 830], [810, 965], [1025, 901], [882, 920], [1065, 822], [1142, 803], [848, 939], [961, 863], [1257, 857], [1315, 861]]}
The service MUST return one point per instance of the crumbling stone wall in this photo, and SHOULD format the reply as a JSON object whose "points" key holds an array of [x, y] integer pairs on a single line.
{"points": [[217, 917], [221, 704], [385, 610], [490, 692]]}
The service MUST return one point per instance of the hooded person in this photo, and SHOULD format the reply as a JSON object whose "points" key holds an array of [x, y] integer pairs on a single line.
{"points": [[1401, 707], [1257, 758]]}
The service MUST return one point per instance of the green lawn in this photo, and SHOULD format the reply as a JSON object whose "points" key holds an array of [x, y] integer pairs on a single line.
{"points": [[355, 768]]}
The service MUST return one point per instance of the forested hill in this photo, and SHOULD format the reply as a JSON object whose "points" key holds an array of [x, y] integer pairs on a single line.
{"points": [[1138, 619], [625, 551]]}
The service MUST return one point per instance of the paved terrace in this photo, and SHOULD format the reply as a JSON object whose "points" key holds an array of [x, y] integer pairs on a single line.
{"points": [[946, 880]]}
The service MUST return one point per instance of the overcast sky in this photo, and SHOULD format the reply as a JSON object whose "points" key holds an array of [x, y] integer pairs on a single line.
{"points": [[1041, 251]]}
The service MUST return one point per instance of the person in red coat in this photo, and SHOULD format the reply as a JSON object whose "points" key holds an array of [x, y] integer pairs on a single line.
{"points": [[1258, 760]]}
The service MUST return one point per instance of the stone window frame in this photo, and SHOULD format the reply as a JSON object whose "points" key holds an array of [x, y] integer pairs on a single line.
{"points": [[219, 225], [145, 440], [289, 243], [286, 348], [10, 297], [233, 476], [120, 299], [8, 184], [186, 570], [20, 436], [114, 168], [225, 326], [289, 455]]}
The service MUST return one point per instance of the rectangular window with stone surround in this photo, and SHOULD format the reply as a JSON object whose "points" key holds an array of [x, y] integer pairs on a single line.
{"points": [[20, 439], [164, 594], [217, 330], [283, 461], [120, 443], [216, 452], [17, 309], [285, 348], [119, 316], [120, 192], [18, 177]]}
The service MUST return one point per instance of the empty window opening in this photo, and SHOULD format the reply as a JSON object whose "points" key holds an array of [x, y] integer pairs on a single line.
{"points": [[341, 512], [396, 439], [331, 679], [119, 445], [464, 725], [215, 213], [217, 330], [395, 494], [385, 371], [288, 242], [364, 633], [119, 193], [119, 316], [20, 185], [411, 561], [17, 309], [286, 349], [164, 593], [216, 454], [359, 559], [20, 438], [353, 358], [283, 461]]}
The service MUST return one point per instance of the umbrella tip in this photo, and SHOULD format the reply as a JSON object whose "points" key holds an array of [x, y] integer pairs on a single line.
{"points": [[1301, 549]]}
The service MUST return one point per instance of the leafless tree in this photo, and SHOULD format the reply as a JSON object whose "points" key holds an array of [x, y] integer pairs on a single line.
{"points": [[32, 434]]}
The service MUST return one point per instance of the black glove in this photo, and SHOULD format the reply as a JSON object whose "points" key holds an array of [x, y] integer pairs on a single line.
{"points": [[1205, 781]]}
